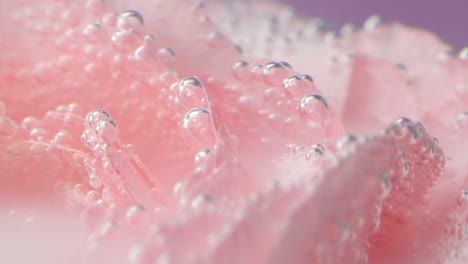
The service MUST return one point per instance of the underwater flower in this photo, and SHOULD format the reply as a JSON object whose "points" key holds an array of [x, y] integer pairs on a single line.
{"points": [[181, 132]]}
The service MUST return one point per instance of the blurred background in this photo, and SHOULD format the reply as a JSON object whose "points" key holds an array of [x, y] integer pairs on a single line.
{"points": [[447, 18]]}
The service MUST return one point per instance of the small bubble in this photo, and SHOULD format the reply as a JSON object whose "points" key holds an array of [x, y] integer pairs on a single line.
{"points": [[346, 141], [199, 127], [145, 57], [8, 128], [110, 19], [463, 198], [107, 130], [201, 200], [93, 117], [314, 110], [316, 152], [135, 213], [123, 41], [192, 92], [201, 157], [63, 138], [38, 134], [294, 87], [93, 32], [463, 54], [241, 71], [372, 22], [307, 77], [29, 123], [166, 55], [462, 120], [130, 21], [177, 187], [274, 73]]}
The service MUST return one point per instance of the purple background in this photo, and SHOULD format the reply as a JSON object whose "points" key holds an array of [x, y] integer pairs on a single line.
{"points": [[447, 18]]}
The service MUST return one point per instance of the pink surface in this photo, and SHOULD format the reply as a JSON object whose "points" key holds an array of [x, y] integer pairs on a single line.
{"points": [[147, 136]]}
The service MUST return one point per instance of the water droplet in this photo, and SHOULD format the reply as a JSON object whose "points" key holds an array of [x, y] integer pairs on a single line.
{"points": [[198, 126], [201, 157], [8, 128], [274, 74], [314, 110], [93, 117], [93, 32], [130, 21], [145, 57], [241, 71], [192, 92], [123, 41], [372, 22], [107, 130]]}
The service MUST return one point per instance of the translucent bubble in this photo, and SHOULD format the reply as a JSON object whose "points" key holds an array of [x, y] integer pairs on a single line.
{"points": [[135, 213], [307, 77], [199, 128], [463, 54], [372, 22], [201, 200], [177, 187], [93, 32], [191, 92], [123, 41], [274, 74], [463, 197], [130, 21], [257, 72], [166, 55], [136, 254], [241, 71], [8, 128], [145, 57], [38, 134], [29, 123], [201, 157], [93, 117], [107, 130], [271, 95], [346, 141], [314, 110], [462, 120], [294, 87], [63, 138]]}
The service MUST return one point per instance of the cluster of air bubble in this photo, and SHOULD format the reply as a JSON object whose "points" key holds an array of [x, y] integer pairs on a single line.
{"points": [[211, 156]]}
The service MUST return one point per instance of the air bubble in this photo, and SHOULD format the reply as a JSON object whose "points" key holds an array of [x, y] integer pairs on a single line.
{"points": [[37, 134], [130, 21], [135, 213], [294, 87], [462, 120], [166, 55], [463, 198], [93, 32], [314, 110], [110, 19], [372, 22], [192, 92], [145, 57], [274, 74], [198, 126], [201, 200], [201, 157], [62, 138], [29, 123], [463, 54], [8, 128], [123, 41], [241, 71], [107, 130], [93, 117]]}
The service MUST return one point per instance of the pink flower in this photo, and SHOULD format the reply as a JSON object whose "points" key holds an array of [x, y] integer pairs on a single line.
{"points": [[209, 154]]}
